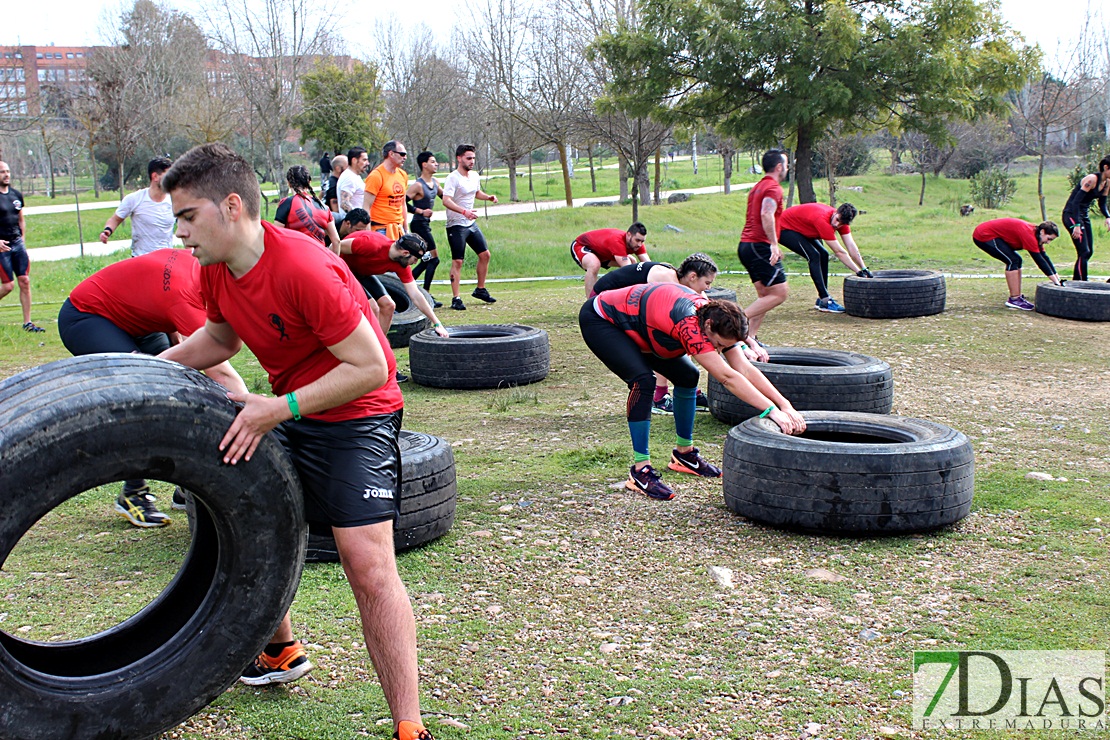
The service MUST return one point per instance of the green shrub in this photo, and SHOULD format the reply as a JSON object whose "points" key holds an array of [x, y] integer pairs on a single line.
{"points": [[992, 188]]}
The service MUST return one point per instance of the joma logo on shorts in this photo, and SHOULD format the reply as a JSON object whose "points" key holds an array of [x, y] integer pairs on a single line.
{"points": [[377, 493]]}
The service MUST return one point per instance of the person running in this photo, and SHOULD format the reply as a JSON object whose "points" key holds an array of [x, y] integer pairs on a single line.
{"points": [[386, 186], [801, 229], [351, 187], [608, 248], [302, 211], [644, 329], [151, 213], [132, 306], [759, 250], [337, 410], [1077, 218], [15, 264], [421, 198], [1003, 237], [462, 187]]}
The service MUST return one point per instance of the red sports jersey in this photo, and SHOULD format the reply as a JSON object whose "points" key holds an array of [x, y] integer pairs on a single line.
{"points": [[289, 308], [606, 244], [660, 318], [1016, 233], [370, 256], [811, 220], [157, 291], [753, 226], [300, 213]]}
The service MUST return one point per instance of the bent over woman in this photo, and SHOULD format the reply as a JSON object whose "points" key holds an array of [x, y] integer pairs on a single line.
{"points": [[644, 329], [1002, 238]]}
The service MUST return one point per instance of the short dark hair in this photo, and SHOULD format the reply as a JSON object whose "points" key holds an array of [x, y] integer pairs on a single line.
{"points": [[1103, 163], [423, 157], [389, 146], [637, 228], [771, 160], [729, 320], [158, 164], [357, 216], [698, 263], [214, 171], [462, 149], [847, 212], [354, 153], [1048, 227]]}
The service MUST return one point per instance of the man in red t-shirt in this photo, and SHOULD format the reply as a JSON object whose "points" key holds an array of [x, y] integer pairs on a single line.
{"points": [[131, 306], [759, 250], [801, 230], [1003, 237], [608, 248], [307, 320]]}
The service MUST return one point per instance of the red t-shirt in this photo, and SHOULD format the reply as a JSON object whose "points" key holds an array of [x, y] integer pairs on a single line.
{"points": [[1016, 233], [811, 220], [753, 226], [289, 308], [301, 213], [660, 318], [370, 256], [157, 291], [607, 244]]}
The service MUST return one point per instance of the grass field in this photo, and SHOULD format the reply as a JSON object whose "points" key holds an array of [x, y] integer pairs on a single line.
{"points": [[560, 606]]}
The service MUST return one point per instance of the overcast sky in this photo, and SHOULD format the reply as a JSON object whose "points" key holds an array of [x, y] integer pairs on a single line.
{"points": [[79, 21]]}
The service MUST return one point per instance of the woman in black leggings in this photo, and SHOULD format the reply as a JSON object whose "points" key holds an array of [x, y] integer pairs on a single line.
{"points": [[1003, 238], [1077, 219]]}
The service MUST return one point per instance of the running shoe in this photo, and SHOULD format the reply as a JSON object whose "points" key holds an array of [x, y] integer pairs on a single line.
{"points": [[648, 482], [693, 463], [401, 377], [664, 405], [137, 506], [31, 327], [457, 304], [178, 498], [411, 731], [1019, 303], [701, 401], [483, 295], [436, 304], [828, 305], [289, 666]]}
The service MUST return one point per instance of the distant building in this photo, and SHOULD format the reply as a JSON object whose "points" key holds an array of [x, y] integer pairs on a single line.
{"points": [[24, 69]]}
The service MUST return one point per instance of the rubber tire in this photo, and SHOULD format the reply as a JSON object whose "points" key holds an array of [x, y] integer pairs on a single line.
{"points": [[922, 480], [895, 294], [813, 379], [1080, 300], [86, 421], [721, 294], [480, 356], [407, 319], [428, 494]]}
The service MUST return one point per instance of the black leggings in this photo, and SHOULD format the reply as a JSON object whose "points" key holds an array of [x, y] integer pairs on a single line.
{"points": [[1084, 245], [424, 231], [816, 255], [89, 333], [1001, 251], [636, 368]]}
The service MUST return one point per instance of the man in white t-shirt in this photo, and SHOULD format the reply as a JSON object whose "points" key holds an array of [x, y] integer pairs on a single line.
{"points": [[459, 191], [351, 187], [151, 213]]}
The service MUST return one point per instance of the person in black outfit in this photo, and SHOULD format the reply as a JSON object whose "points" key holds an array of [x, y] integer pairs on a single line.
{"points": [[14, 263], [421, 197], [1077, 219], [325, 169]]}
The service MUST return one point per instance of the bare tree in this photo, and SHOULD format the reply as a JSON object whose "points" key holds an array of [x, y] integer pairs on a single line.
{"points": [[116, 105]]}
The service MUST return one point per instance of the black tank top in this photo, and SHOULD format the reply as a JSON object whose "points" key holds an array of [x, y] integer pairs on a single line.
{"points": [[1079, 202], [428, 201]]}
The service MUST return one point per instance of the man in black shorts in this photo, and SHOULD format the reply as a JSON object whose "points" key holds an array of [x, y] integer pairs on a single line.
{"points": [[14, 262], [421, 198], [759, 250], [459, 192]]}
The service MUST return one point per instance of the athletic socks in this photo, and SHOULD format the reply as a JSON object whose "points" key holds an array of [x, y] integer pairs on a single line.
{"points": [[684, 408]]}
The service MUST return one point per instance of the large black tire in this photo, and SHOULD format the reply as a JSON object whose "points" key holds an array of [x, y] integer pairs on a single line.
{"points": [[428, 490], [721, 294], [407, 319], [814, 379], [480, 356], [1077, 299], [850, 473], [895, 294], [72, 425]]}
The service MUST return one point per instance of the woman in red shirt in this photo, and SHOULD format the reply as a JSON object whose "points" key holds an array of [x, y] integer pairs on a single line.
{"points": [[1003, 237], [302, 211]]}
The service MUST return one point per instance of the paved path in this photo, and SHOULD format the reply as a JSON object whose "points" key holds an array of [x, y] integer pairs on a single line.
{"points": [[66, 251]]}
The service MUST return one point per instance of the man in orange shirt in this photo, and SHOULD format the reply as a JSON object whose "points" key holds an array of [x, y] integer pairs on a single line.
{"points": [[386, 186]]}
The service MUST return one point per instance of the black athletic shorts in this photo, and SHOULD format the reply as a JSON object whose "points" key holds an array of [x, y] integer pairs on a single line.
{"points": [[423, 228], [459, 236], [756, 259], [350, 470], [373, 287], [89, 333], [15, 262]]}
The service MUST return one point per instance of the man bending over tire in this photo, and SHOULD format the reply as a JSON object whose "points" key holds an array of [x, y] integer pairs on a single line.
{"points": [[1002, 238], [337, 410], [801, 230], [645, 329], [131, 306], [608, 248]]}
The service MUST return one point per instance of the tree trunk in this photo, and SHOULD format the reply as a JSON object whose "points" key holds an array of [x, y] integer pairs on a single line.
{"points": [[792, 156], [513, 196], [803, 166], [831, 174], [726, 161], [50, 164], [658, 174], [593, 175], [1040, 183], [119, 174], [921, 200], [622, 175], [92, 168], [895, 160], [562, 148], [643, 182], [694, 151], [530, 188]]}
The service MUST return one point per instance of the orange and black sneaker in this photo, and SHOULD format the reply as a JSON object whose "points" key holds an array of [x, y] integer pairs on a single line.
{"points": [[693, 463], [290, 665], [411, 731]]}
